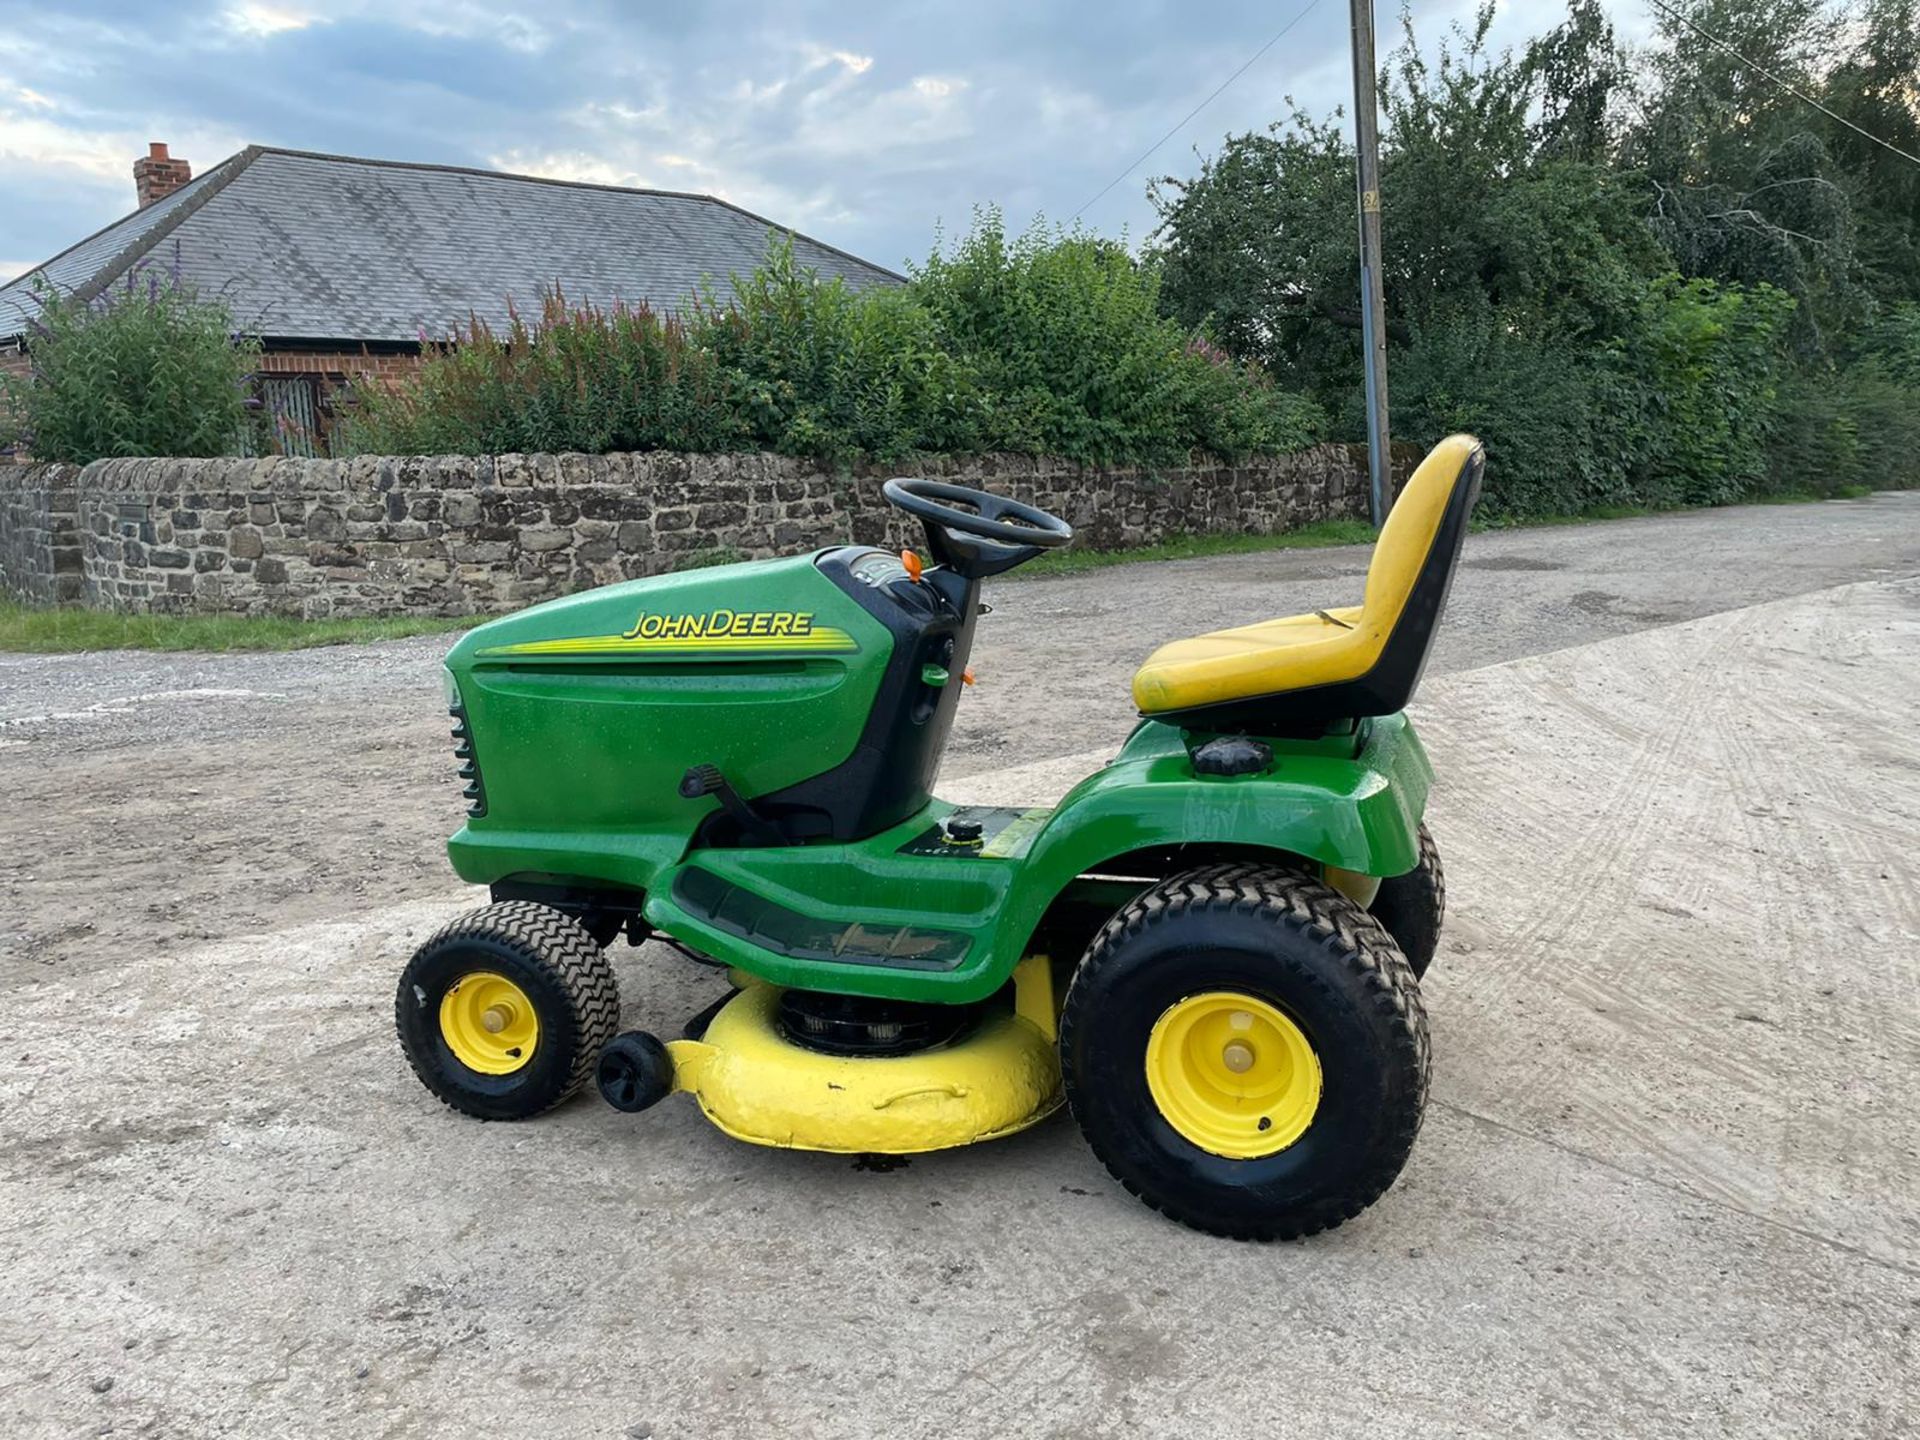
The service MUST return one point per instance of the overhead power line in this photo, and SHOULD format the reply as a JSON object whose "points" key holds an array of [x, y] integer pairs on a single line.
{"points": [[1785, 85], [1218, 92]]}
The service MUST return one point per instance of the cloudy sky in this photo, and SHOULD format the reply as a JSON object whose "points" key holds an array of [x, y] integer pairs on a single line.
{"points": [[866, 125]]}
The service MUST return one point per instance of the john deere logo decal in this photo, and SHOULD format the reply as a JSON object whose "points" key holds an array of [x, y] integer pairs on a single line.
{"points": [[716, 632], [727, 625]]}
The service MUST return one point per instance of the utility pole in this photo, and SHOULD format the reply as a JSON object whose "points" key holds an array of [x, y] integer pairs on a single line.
{"points": [[1373, 311]]}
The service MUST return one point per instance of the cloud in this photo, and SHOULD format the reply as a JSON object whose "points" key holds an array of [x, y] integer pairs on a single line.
{"points": [[256, 18], [91, 151], [846, 59], [867, 125]]}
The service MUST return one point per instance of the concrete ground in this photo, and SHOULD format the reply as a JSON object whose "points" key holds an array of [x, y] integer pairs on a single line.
{"points": [[1669, 1182]]}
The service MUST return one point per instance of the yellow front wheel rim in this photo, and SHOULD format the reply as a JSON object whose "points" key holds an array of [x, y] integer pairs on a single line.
{"points": [[489, 1023], [1233, 1074]]}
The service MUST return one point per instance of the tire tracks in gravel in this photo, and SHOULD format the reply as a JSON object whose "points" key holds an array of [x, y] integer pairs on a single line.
{"points": [[1595, 869], [1795, 1066]]}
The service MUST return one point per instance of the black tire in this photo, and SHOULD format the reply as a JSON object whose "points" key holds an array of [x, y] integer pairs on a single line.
{"points": [[1413, 907], [1306, 950], [559, 969], [634, 1072]]}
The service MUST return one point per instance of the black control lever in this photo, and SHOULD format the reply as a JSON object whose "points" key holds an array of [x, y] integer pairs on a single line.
{"points": [[703, 780]]}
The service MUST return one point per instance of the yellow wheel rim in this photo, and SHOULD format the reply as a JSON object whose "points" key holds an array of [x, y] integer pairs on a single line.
{"points": [[489, 1023], [1233, 1074]]}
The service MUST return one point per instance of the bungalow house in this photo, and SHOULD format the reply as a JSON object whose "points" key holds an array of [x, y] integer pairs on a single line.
{"points": [[344, 267]]}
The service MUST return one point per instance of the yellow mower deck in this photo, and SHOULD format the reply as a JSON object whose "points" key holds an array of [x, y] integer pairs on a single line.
{"points": [[761, 1088]]}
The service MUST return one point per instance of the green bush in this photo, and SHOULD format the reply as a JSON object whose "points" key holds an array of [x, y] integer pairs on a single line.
{"points": [[1857, 428], [1045, 345], [1679, 409], [1855, 424], [822, 370], [146, 368], [1539, 404], [1065, 334], [1891, 346], [1707, 359], [1639, 278]]}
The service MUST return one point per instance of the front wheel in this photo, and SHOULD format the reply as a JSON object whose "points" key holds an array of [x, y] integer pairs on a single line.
{"points": [[1245, 1050], [502, 1012]]}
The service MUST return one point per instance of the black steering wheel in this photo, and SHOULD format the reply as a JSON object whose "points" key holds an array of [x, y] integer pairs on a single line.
{"points": [[996, 534]]}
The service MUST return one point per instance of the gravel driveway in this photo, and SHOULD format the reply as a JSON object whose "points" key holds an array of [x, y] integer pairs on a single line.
{"points": [[1667, 1185]]}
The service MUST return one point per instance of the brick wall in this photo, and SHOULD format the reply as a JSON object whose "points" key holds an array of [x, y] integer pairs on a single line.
{"points": [[326, 374], [330, 371], [341, 364], [455, 535]]}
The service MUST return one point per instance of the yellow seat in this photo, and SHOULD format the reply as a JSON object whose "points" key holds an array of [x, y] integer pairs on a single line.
{"points": [[1365, 659]]}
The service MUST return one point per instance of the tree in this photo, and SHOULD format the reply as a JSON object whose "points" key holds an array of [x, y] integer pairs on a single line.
{"points": [[1746, 185], [1579, 72], [1877, 88], [1246, 248], [1529, 296]]}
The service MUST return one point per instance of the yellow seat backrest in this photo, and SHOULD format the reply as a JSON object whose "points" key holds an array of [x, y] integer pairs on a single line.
{"points": [[1407, 536], [1305, 671]]}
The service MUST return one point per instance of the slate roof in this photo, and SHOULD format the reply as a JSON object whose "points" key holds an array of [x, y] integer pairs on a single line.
{"points": [[308, 247]]}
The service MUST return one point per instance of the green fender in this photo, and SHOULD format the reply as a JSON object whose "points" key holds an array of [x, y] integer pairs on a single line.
{"points": [[1354, 805]]}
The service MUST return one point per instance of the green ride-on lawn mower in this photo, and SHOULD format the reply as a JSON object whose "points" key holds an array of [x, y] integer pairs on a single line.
{"points": [[1210, 949]]}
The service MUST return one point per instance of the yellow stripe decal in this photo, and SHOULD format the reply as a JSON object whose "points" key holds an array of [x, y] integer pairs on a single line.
{"points": [[822, 639]]}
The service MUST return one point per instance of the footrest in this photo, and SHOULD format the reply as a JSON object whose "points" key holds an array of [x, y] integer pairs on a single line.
{"points": [[729, 908]]}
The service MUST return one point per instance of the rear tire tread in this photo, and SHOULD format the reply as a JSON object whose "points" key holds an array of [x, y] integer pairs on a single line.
{"points": [[1343, 929], [1413, 906]]}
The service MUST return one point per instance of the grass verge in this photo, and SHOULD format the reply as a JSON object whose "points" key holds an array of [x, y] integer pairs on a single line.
{"points": [[1640, 512], [1074, 561], [38, 630]]}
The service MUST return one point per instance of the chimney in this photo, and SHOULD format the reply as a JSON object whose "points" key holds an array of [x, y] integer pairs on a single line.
{"points": [[157, 174]]}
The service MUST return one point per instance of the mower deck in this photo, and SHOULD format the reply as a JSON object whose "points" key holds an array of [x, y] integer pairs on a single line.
{"points": [[756, 1085]]}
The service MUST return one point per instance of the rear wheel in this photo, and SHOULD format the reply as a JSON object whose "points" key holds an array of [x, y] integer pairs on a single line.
{"points": [[1413, 906], [1244, 1049], [502, 1012]]}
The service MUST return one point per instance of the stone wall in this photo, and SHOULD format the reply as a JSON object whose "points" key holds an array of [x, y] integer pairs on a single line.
{"points": [[40, 552], [454, 535]]}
